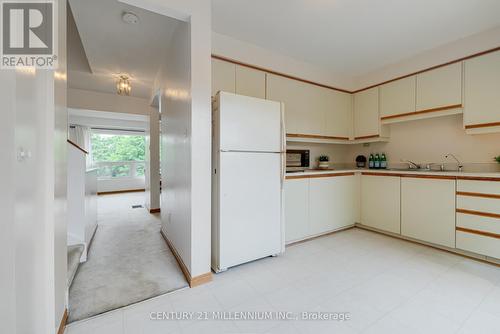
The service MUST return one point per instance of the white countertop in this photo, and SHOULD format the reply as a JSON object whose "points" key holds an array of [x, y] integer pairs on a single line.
{"points": [[393, 171]]}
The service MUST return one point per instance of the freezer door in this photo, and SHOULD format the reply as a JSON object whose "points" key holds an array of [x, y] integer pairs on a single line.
{"points": [[250, 207], [249, 124]]}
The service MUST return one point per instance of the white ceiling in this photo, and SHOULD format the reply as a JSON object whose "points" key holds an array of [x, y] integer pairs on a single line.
{"points": [[352, 37], [112, 47]]}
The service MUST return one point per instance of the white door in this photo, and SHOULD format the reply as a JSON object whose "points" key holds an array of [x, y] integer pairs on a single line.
{"points": [[249, 124], [250, 207]]}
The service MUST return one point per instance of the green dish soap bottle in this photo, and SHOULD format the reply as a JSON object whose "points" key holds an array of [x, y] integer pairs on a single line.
{"points": [[383, 161], [377, 161], [371, 162]]}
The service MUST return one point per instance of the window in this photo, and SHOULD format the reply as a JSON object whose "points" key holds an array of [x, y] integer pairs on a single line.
{"points": [[118, 155]]}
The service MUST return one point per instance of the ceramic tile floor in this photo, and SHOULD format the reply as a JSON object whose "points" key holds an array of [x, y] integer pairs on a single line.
{"points": [[387, 286]]}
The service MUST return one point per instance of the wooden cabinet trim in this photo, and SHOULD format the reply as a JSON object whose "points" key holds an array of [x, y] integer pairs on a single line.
{"points": [[418, 112], [483, 233], [294, 177], [367, 137], [472, 194], [214, 56], [479, 213], [381, 174], [482, 125], [76, 145], [478, 178], [438, 177], [301, 135]]}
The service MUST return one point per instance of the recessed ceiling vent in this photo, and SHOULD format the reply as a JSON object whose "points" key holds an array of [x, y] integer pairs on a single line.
{"points": [[130, 18]]}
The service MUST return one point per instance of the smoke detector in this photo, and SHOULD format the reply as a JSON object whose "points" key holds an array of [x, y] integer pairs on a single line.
{"points": [[130, 18]]}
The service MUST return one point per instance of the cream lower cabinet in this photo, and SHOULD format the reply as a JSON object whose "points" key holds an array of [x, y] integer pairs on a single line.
{"points": [[428, 209], [380, 202], [478, 217], [318, 205], [333, 203], [296, 209]]}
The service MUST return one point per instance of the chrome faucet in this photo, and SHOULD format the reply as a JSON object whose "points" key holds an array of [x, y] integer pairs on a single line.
{"points": [[411, 164], [460, 165]]}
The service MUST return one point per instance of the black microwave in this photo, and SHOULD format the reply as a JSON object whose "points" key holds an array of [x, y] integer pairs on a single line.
{"points": [[297, 160]]}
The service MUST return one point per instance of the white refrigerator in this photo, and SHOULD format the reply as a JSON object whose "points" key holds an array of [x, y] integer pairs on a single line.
{"points": [[248, 172]]}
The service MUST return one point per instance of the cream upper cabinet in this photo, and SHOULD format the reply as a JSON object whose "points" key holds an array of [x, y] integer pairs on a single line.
{"points": [[366, 113], [296, 209], [397, 97], [482, 93], [303, 112], [250, 82], [223, 76], [338, 108], [428, 210], [440, 88], [380, 202]]}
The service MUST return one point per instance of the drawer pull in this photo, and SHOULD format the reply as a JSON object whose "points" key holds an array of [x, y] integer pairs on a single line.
{"points": [[483, 233]]}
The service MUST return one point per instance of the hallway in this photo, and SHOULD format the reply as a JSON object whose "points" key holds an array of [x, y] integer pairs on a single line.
{"points": [[128, 262]]}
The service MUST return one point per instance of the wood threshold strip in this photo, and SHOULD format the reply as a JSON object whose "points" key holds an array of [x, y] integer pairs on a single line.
{"points": [[154, 210], [479, 213], [367, 137], [483, 233], [120, 191], [431, 68], [482, 125], [62, 324], [237, 62], [471, 194], [300, 135], [455, 106], [478, 178], [76, 145], [193, 281], [316, 176]]}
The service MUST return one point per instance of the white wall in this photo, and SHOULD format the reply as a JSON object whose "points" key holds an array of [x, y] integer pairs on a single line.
{"points": [[194, 186], [153, 162], [230, 47], [461, 48], [429, 140], [33, 197]]}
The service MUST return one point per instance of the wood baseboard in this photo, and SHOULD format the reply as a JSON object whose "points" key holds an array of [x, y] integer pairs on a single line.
{"points": [[120, 191], [62, 325], [154, 210], [193, 281]]}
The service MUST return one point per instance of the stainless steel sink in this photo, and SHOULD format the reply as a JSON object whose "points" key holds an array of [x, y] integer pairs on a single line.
{"points": [[421, 170]]}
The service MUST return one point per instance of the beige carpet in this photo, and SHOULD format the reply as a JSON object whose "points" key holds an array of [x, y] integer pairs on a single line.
{"points": [[128, 260]]}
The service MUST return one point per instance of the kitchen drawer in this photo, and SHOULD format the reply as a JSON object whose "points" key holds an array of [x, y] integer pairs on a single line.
{"points": [[480, 204], [480, 244], [479, 187], [478, 223]]}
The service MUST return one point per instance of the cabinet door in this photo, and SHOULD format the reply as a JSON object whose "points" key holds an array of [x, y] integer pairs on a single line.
{"points": [[296, 209], [440, 88], [380, 202], [428, 210], [482, 91], [250, 82], [223, 76], [366, 113], [397, 97], [332, 203], [302, 115], [338, 109]]}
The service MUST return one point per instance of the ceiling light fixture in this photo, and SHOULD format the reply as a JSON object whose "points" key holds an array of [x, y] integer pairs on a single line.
{"points": [[123, 86], [130, 18]]}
